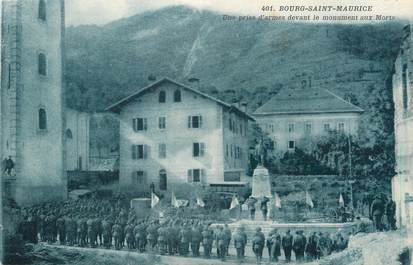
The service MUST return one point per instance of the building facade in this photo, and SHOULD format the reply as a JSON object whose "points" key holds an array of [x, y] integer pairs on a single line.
{"points": [[402, 183], [172, 134], [32, 100], [77, 140], [295, 117]]}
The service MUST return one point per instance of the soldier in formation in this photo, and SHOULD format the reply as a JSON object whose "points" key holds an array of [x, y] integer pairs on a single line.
{"points": [[103, 224]]}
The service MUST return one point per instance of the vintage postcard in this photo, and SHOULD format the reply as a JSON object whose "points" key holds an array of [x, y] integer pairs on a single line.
{"points": [[206, 132]]}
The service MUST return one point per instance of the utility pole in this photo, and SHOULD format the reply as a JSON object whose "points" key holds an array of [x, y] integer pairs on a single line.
{"points": [[350, 173]]}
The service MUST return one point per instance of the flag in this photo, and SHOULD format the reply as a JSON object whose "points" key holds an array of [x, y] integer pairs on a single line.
{"points": [[154, 200], [200, 202], [234, 202], [308, 199], [341, 200], [174, 201], [277, 200]]}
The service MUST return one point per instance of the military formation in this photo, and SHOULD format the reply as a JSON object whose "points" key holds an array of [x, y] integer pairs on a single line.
{"points": [[110, 224]]}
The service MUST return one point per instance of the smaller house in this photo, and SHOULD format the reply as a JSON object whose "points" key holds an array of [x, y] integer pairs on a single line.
{"points": [[294, 116]]}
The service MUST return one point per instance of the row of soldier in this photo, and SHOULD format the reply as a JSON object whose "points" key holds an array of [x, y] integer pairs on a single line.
{"points": [[173, 237]]}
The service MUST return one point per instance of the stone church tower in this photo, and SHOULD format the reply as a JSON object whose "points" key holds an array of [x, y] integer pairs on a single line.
{"points": [[32, 100]]}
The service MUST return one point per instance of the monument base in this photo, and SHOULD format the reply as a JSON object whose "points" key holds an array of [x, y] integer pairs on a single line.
{"points": [[261, 183]]}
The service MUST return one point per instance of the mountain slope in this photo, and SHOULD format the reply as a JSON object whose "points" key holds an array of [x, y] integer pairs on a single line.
{"points": [[237, 61]]}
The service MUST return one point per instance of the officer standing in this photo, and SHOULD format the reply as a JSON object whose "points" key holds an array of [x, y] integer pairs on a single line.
{"points": [[107, 234], [264, 207], [116, 231], [227, 233], [390, 214], [185, 236], [251, 206], [311, 247], [240, 241], [221, 242], [299, 246], [377, 211], [207, 240], [269, 243], [129, 236], [162, 243], [258, 242], [61, 229], [275, 246], [196, 238], [287, 244]]}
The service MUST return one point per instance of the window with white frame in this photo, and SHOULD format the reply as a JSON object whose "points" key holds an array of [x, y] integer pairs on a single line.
{"points": [[327, 127], [341, 127], [140, 151], [162, 150], [140, 124], [140, 177], [198, 149], [195, 121], [162, 123], [291, 127], [196, 175], [308, 128]]}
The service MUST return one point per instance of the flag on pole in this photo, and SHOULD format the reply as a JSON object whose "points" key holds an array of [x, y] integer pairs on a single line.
{"points": [[234, 202], [308, 199], [277, 200], [200, 202], [341, 200], [154, 200]]}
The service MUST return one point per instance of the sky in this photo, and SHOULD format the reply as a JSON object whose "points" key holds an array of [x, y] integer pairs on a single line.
{"points": [[80, 12]]}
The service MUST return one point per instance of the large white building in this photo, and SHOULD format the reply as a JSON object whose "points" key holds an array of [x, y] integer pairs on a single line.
{"points": [[402, 183], [294, 116], [171, 134], [32, 100]]}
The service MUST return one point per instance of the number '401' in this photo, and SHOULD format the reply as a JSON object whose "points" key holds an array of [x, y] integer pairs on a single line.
{"points": [[267, 8]]}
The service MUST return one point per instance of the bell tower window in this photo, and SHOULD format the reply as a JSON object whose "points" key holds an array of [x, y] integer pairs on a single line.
{"points": [[42, 10]]}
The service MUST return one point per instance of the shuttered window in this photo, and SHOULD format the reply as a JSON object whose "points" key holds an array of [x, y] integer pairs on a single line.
{"points": [[140, 124], [140, 151], [195, 121]]}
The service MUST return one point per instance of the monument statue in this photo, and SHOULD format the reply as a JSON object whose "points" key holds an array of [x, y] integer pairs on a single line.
{"points": [[261, 184], [260, 152]]}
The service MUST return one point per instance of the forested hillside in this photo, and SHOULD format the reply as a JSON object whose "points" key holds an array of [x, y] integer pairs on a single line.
{"points": [[237, 61]]}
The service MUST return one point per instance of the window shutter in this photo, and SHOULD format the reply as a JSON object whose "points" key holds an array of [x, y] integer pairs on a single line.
{"points": [[145, 124], [134, 125], [200, 121], [189, 121], [134, 152], [190, 175], [145, 151], [203, 175], [202, 149]]}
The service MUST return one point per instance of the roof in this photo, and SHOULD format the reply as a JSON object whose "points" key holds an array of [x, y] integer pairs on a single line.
{"points": [[116, 107], [303, 101]]}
